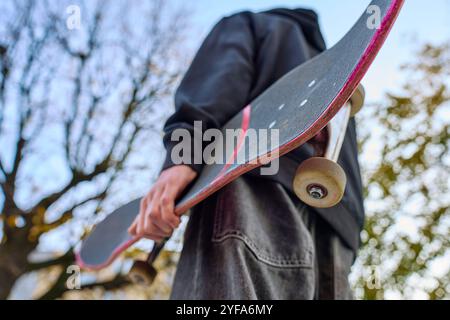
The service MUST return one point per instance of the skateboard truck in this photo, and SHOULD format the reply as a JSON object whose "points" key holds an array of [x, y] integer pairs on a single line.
{"points": [[142, 272], [320, 181]]}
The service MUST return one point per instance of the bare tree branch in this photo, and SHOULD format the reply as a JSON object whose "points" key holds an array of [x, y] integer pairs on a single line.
{"points": [[65, 259], [2, 171], [7, 50], [26, 83], [77, 178], [54, 89], [68, 214]]}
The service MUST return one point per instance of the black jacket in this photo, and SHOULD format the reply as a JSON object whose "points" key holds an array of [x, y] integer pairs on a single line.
{"points": [[242, 56]]}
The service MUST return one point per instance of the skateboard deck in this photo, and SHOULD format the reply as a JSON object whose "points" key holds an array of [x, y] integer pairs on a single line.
{"points": [[299, 105]]}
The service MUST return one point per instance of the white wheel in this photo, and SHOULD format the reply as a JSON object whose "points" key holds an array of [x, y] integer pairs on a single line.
{"points": [[142, 273], [320, 183], [357, 100]]}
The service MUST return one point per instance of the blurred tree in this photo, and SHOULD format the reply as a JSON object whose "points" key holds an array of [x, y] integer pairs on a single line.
{"points": [[83, 89], [160, 289], [406, 250]]}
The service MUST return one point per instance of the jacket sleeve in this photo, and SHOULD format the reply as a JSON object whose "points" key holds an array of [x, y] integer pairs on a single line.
{"points": [[217, 84]]}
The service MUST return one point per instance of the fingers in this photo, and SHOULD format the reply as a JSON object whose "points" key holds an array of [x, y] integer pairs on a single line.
{"points": [[138, 225], [154, 233], [145, 202], [133, 229], [157, 219], [167, 207], [153, 219]]}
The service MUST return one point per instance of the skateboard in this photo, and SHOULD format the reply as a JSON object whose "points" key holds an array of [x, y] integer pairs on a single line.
{"points": [[313, 102]]}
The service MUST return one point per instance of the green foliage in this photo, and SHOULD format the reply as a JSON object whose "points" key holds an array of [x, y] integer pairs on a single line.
{"points": [[406, 245]]}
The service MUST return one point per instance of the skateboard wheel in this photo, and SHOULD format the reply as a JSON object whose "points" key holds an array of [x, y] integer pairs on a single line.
{"points": [[320, 182], [357, 100], [142, 273]]}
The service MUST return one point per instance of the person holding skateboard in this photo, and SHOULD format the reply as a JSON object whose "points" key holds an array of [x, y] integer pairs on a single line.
{"points": [[253, 239]]}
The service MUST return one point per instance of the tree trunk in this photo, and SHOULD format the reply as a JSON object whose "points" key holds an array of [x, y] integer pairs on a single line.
{"points": [[13, 264], [7, 279]]}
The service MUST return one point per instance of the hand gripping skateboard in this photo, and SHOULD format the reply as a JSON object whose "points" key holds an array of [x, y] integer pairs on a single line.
{"points": [[310, 101]]}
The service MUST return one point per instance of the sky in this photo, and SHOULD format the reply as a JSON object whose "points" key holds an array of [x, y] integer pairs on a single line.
{"points": [[419, 22]]}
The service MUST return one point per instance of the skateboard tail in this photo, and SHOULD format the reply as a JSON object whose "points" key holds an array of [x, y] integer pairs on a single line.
{"points": [[82, 264]]}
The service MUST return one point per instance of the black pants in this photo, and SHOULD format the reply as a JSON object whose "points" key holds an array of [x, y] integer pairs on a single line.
{"points": [[254, 240]]}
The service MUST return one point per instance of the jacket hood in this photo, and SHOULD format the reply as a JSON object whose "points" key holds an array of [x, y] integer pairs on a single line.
{"points": [[308, 21]]}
